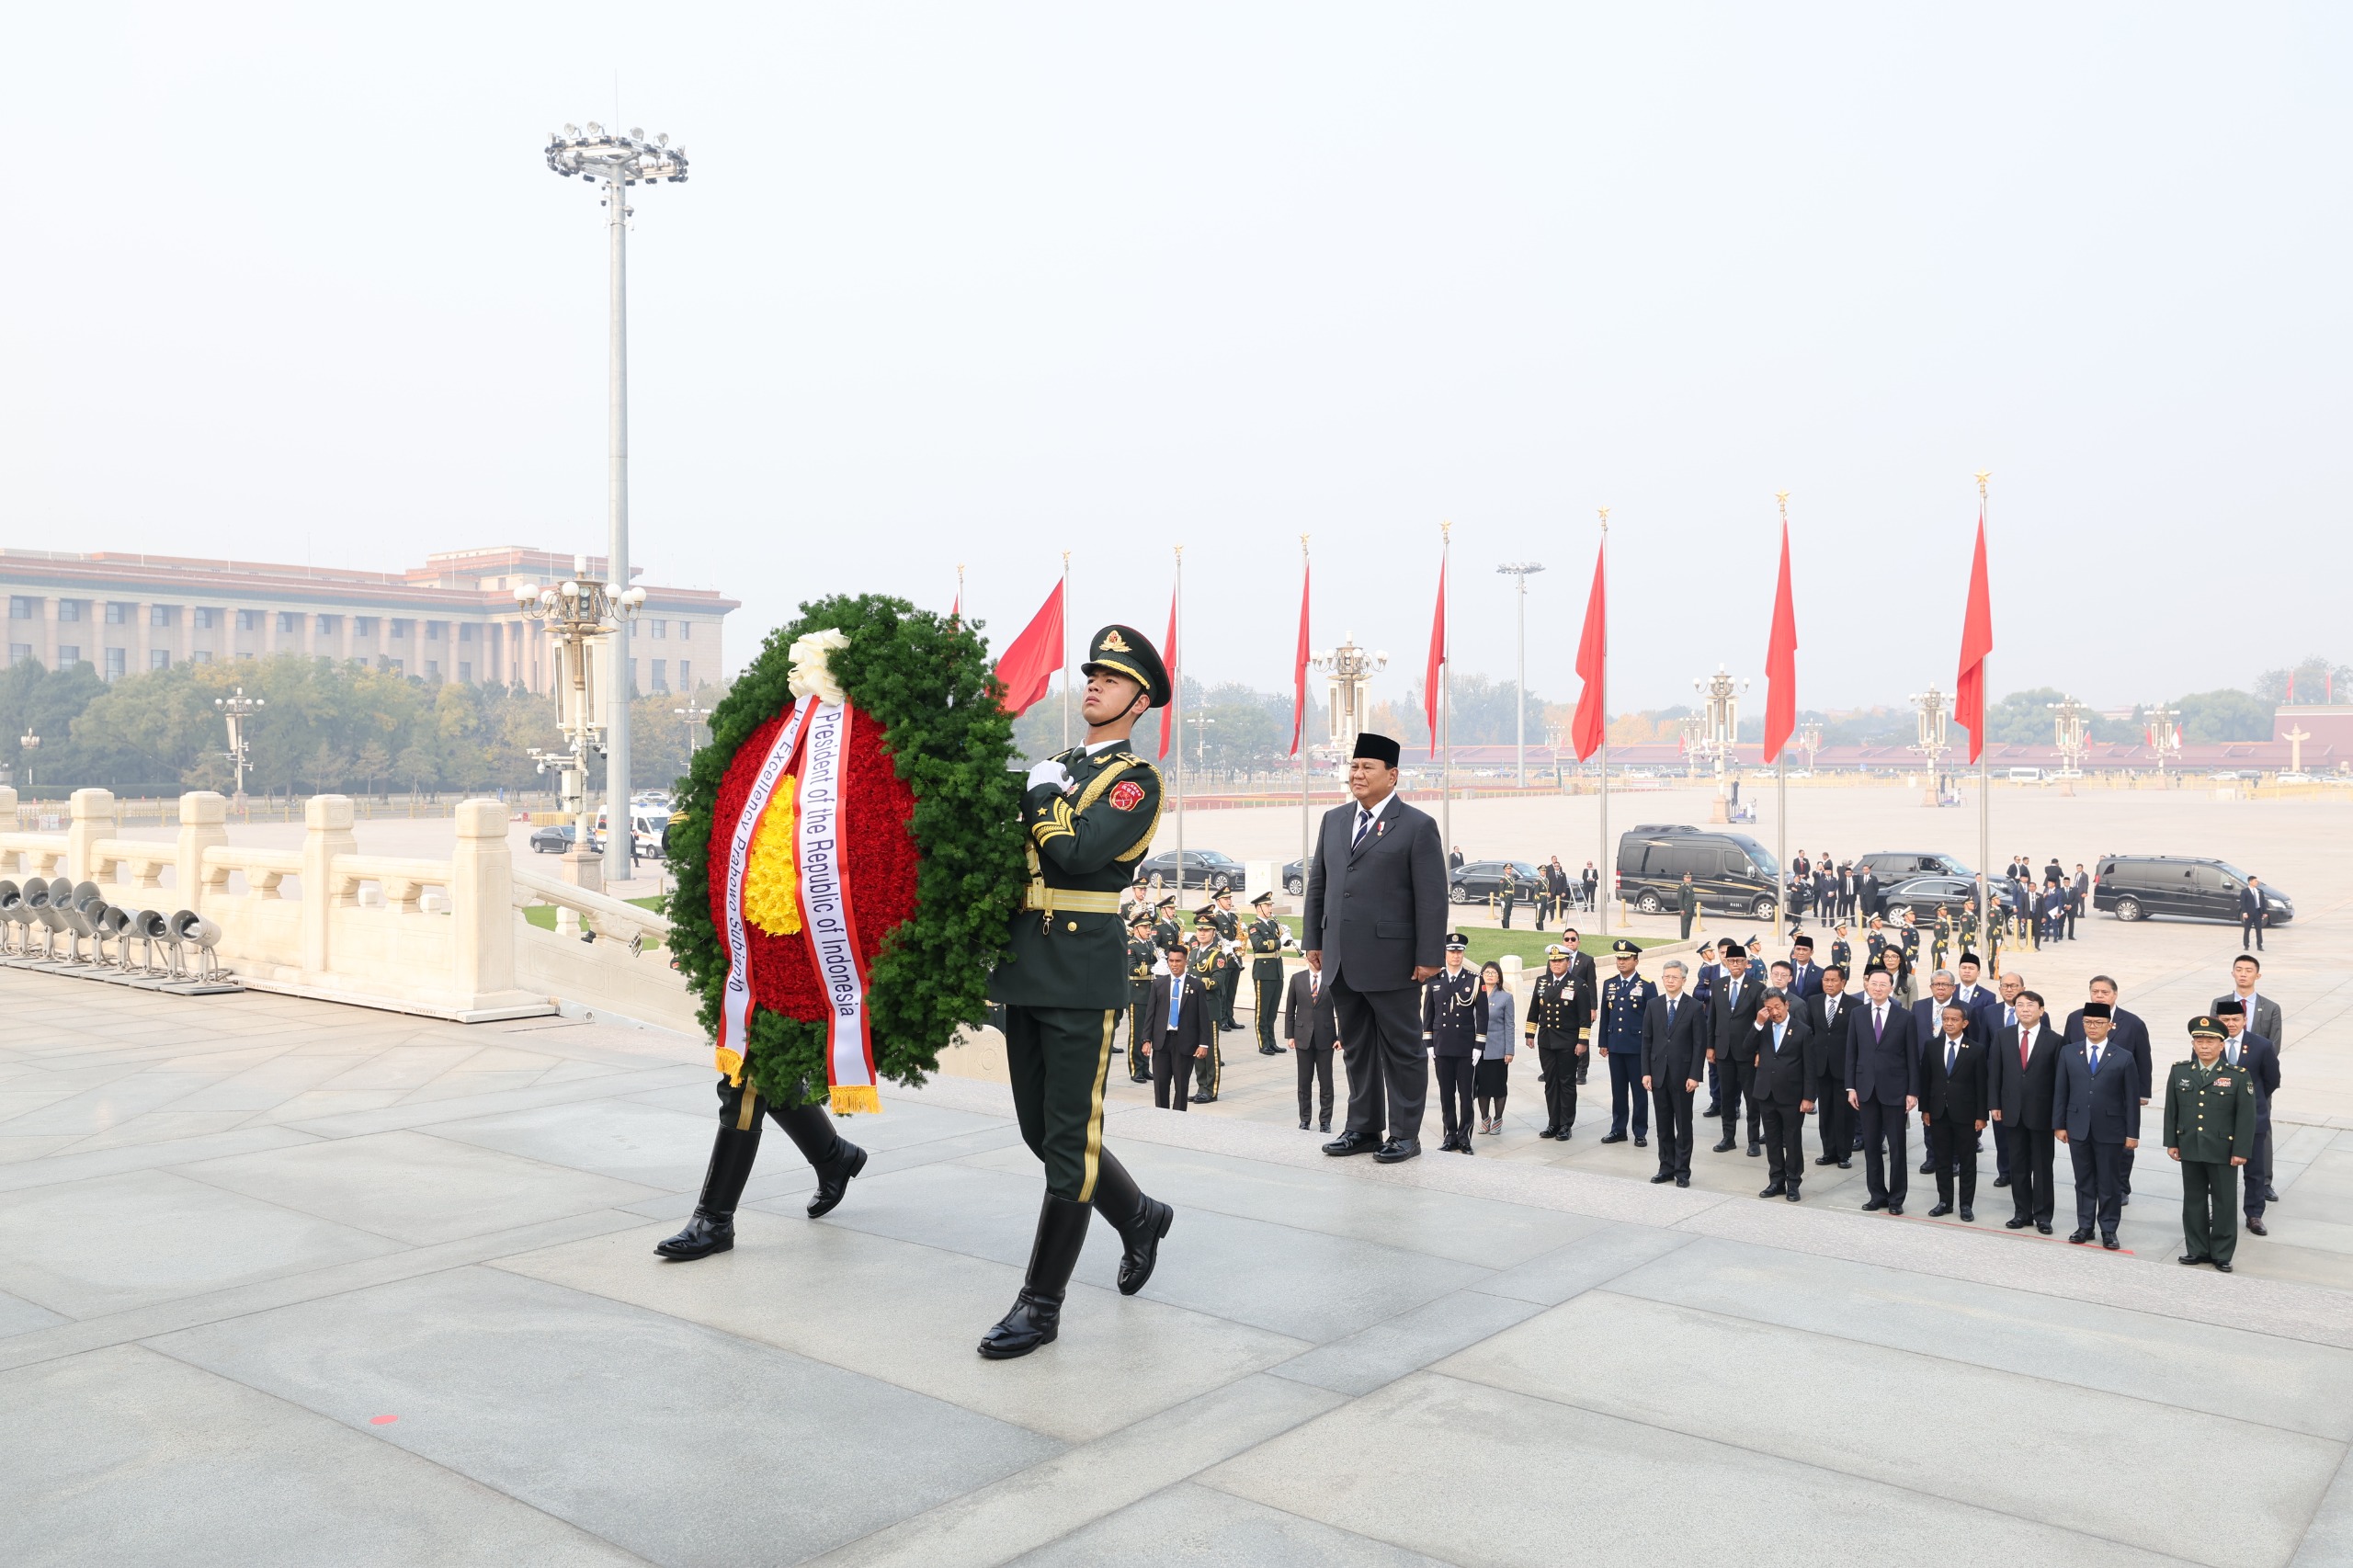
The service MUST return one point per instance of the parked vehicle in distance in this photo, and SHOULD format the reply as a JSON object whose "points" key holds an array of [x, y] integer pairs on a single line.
{"points": [[2025, 776], [2142, 887], [1730, 870], [647, 825], [1295, 878], [556, 837], [1207, 869], [1924, 895], [1892, 865], [1476, 881]]}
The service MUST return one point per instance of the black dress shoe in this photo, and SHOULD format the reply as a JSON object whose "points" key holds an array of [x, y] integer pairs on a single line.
{"points": [[1141, 1221], [1927, 1167], [1661, 1179], [1894, 1206], [1613, 1138], [2016, 1222], [1037, 1313], [1641, 1141], [1682, 1181], [1352, 1143], [2190, 1257], [1755, 1151], [2110, 1242], [2255, 1225], [1725, 1147], [1793, 1194], [1712, 1110], [1826, 1159], [2042, 1226], [1399, 1149], [1940, 1211], [2224, 1268], [1138, 1077], [2001, 1181], [834, 1178], [1874, 1205], [1323, 1122], [2079, 1235], [1775, 1191], [2271, 1194], [704, 1235], [1303, 1124], [1846, 1165], [1968, 1215], [1203, 1099]]}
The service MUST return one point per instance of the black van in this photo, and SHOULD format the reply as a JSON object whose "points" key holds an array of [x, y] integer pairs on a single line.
{"points": [[1732, 870], [2139, 887]]}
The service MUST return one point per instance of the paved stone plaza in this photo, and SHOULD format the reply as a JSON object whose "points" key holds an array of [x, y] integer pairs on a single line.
{"points": [[282, 1282]]}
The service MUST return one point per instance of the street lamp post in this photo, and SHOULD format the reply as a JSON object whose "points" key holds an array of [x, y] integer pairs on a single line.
{"points": [[1519, 572], [582, 615], [617, 161], [1723, 694], [2072, 729], [1936, 720], [2163, 738], [236, 709], [1348, 668], [1809, 743], [28, 744]]}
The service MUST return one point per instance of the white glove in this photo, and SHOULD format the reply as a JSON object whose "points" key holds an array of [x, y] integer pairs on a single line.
{"points": [[1049, 771]]}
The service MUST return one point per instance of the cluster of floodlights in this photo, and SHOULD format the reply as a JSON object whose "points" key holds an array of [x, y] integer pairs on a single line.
{"points": [[173, 947], [594, 152]]}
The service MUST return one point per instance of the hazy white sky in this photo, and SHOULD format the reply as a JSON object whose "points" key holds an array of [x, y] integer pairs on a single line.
{"points": [[984, 282]]}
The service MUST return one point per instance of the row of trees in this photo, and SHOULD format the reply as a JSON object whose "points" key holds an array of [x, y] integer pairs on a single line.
{"points": [[323, 726]]}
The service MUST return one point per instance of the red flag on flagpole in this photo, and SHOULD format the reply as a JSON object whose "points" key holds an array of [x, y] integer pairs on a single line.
{"points": [[1028, 665], [1298, 670], [1169, 659], [1586, 728], [1434, 671], [1976, 642], [1782, 661]]}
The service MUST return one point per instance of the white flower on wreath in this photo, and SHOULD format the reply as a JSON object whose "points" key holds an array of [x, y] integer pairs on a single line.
{"points": [[812, 656]]}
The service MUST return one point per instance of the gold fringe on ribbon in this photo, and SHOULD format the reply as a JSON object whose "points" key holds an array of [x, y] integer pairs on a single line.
{"points": [[851, 1098]]}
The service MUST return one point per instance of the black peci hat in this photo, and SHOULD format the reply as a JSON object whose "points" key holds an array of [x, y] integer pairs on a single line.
{"points": [[2230, 1007], [1380, 748], [2098, 1010]]}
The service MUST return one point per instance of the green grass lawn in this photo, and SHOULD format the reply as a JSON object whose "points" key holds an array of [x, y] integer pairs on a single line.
{"points": [[543, 914], [1489, 943]]}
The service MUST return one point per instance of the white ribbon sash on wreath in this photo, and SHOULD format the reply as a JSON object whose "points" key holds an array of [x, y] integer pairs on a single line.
{"points": [[735, 1002], [827, 919]]}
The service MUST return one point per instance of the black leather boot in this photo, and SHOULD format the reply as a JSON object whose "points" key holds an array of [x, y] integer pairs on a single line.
{"points": [[713, 1227], [1037, 1313], [1140, 1220], [834, 1157]]}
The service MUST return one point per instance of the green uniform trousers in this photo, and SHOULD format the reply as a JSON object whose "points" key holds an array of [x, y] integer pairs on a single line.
{"points": [[1139, 1064], [1270, 1001], [1058, 1058], [2210, 1208]]}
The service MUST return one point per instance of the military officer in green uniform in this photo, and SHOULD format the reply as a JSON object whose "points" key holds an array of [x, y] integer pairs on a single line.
{"points": [[1087, 814], [1208, 959], [1229, 932], [1266, 937], [2210, 1128], [1144, 958], [1139, 900], [1165, 931]]}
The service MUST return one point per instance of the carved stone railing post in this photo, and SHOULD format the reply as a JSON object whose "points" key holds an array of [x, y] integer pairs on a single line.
{"points": [[327, 819], [93, 819], [204, 817], [481, 896]]}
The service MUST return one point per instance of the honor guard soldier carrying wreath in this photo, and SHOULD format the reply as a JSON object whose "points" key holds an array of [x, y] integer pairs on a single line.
{"points": [[1618, 1036], [1088, 815], [1268, 939]]}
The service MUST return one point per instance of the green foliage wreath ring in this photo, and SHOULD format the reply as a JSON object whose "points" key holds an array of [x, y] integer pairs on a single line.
{"points": [[926, 680]]}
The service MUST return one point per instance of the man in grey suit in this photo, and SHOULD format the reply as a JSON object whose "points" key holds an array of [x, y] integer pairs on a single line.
{"points": [[1374, 927], [2262, 1013], [1310, 1030]]}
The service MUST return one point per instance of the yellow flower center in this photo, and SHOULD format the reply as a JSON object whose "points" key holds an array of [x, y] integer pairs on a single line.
{"points": [[771, 880]]}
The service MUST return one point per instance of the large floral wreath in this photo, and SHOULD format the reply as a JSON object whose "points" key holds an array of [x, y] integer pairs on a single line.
{"points": [[927, 852]]}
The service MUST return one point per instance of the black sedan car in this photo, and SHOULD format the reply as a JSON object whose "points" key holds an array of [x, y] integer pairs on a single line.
{"points": [[1924, 895], [1203, 868], [557, 837], [1476, 881]]}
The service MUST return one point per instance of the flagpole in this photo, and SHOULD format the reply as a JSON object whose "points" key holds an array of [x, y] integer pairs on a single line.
{"points": [[1781, 786], [1302, 737], [1606, 866], [1985, 769], [1177, 718], [960, 593], [1066, 669], [1446, 688]]}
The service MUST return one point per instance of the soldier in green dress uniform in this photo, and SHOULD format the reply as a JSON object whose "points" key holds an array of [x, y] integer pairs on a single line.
{"points": [[1267, 936], [1229, 932], [2210, 1128], [1165, 931], [1087, 814], [1208, 959], [1144, 958], [1139, 900], [1941, 942]]}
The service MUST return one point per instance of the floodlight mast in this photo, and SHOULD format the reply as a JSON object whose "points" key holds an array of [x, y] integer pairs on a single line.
{"points": [[618, 162]]}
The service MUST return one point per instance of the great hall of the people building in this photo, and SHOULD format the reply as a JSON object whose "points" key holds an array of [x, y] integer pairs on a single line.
{"points": [[452, 618]]}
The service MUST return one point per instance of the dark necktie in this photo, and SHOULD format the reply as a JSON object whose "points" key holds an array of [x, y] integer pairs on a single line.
{"points": [[1364, 825], [1879, 1022], [1952, 1049]]}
